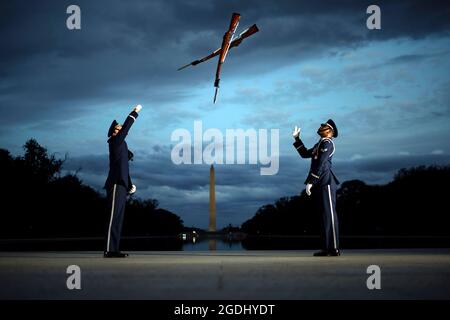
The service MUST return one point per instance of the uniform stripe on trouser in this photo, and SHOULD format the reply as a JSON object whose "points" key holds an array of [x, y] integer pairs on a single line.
{"points": [[112, 215], [332, 217]]}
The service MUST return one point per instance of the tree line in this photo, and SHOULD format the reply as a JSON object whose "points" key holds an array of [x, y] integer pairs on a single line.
{"points": [[413, 204], [41, 203]]}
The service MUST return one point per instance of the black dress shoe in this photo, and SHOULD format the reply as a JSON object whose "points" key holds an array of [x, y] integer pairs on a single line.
{"points": [[334, 253], [321, 253], [113, 254], [327, 253]]}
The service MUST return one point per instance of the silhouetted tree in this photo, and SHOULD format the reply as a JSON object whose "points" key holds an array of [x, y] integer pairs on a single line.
{"points": [[37, 165], [145, 218]]}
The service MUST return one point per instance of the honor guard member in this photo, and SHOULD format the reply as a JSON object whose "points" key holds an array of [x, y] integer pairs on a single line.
{"points": [[118, 184], [322, 183]]}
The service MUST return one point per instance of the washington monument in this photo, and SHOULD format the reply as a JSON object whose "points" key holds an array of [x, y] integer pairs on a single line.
{"points": [[212, 200]]}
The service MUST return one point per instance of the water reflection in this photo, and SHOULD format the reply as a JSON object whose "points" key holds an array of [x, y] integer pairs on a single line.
{"points": [[240, 241], [212, 243]]}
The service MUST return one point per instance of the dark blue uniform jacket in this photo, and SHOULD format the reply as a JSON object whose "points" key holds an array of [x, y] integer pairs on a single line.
{"points": [[119, 155], [320, 172]]}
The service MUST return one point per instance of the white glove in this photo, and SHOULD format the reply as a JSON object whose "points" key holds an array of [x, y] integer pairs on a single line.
{"points": [[308, 189], [296, 132], [132, 190], [138, 108]]}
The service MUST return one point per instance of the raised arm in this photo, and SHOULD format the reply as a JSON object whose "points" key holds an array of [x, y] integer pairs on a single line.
{"points": [[299, 145], [301, 149], [128, 123]]}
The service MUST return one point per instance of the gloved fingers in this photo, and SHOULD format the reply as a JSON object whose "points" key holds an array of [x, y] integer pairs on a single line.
{"points": [[308, 189]]}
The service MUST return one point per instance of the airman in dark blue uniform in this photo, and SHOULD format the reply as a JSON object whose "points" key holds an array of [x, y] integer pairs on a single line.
{"points": [[321, 183], [118, 184]]}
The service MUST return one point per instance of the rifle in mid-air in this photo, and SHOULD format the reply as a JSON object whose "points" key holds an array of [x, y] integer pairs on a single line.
{"points": [[228, 42]]}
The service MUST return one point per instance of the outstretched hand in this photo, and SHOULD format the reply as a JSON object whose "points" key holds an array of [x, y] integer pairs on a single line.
{"points": [[296, 132], [132, 190], [137, 108]]}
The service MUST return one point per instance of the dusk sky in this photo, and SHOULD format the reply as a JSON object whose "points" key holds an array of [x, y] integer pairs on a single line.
{"points": [[387, 90]]}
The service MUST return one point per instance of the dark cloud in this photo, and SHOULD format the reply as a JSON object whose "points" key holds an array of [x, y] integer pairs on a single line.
{"points": [[414, 58], [382, 97], [132, 49]]}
